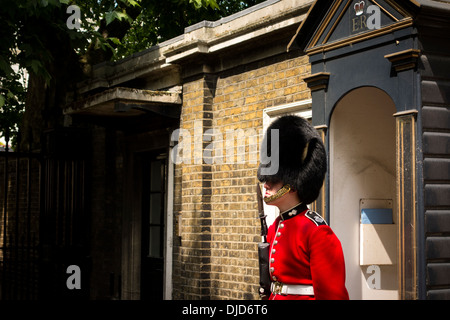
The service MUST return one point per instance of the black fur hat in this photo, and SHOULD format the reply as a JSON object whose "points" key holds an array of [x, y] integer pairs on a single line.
{"points": [[301, 156]]}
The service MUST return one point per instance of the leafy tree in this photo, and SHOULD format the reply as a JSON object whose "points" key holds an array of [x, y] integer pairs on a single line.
{"points": [[37, 39]]}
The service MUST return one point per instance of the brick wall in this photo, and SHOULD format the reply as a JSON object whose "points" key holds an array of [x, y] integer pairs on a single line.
{"points": [[192, 256], [215, 254]]}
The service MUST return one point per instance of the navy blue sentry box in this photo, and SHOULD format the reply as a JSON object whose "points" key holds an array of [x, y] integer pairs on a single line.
{"points": [[376, 216]]}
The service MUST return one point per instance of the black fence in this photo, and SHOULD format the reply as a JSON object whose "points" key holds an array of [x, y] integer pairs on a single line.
{"points": [[44, 227], [20, 200]]}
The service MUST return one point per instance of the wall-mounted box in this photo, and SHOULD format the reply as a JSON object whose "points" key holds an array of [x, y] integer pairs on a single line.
{"points": [[378, 237], [376, 216]]}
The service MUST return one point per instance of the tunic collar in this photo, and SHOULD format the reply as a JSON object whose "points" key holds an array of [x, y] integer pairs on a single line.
{"points": [[292, 212]]}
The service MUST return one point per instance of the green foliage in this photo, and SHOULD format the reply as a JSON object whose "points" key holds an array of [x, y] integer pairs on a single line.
{"points": [[12, 97], [30, 30]]}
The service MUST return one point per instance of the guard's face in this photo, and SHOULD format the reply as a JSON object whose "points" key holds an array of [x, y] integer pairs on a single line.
{"points": [[272, 188]]}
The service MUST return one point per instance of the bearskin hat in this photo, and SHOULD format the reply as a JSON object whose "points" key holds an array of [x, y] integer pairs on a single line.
{"points": [[301, 156]]}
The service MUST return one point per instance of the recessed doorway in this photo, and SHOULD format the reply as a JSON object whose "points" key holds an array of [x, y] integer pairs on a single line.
{"points": [[362, 171], [154, 170]]}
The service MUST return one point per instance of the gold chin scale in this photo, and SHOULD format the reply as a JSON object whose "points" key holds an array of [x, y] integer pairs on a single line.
{"points": [[285, 189]]}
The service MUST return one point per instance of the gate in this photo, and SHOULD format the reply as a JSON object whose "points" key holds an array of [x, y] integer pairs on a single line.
{"points": [[20, 175], [44, 224]]}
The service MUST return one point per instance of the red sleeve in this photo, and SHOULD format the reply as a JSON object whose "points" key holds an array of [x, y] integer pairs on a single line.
{"points": [[327, 265]]}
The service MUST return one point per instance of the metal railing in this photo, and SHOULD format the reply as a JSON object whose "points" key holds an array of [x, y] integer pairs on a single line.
{"points": [[20, 192]]}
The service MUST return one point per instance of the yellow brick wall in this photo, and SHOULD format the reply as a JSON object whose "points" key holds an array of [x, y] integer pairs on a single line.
{"points": [[192, 189], [216, 253]]}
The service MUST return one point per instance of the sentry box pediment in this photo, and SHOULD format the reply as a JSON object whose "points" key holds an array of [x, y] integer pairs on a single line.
{"points": [[334, 24]]}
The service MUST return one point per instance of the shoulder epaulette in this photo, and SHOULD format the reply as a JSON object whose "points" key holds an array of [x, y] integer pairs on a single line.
{"points": [[316, 218]]}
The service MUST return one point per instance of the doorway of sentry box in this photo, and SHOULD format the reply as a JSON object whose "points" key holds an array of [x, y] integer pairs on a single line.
{"points": [[363, 176]]}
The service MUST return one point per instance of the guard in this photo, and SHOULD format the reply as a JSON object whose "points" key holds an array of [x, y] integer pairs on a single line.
{"points": [[305, 257]]}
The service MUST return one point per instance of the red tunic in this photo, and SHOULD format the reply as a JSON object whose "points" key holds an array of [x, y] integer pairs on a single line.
{"points": [[306, 252]]}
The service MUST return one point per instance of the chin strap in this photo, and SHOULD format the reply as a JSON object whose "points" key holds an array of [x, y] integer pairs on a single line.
{"points": [[285, 189]]}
